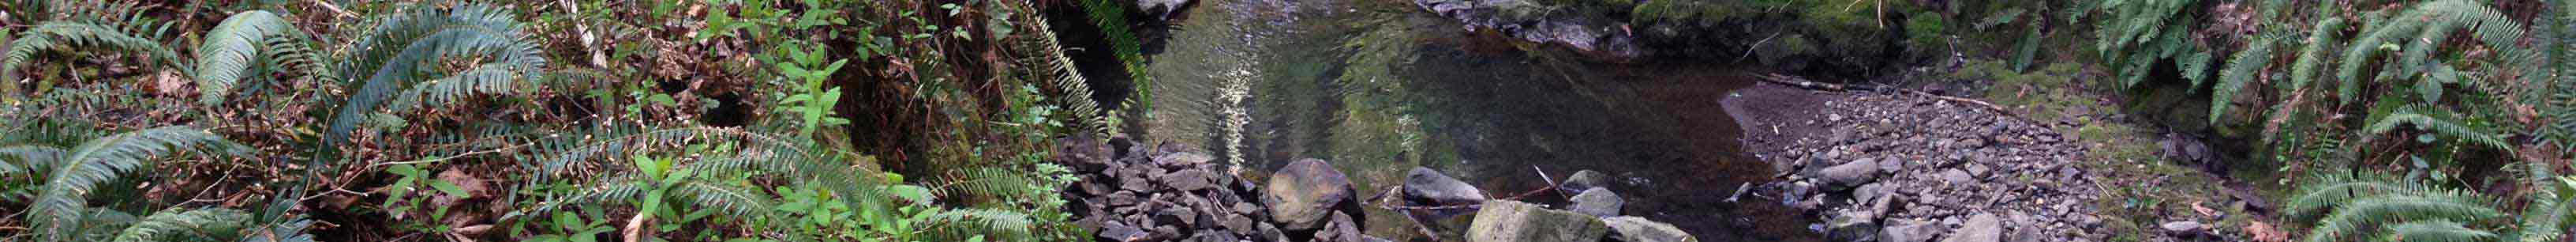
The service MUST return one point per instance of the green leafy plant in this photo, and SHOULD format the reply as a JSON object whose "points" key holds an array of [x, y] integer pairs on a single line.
{"points": [[2377, 207], [812, 102], [414, 180], [705, 181]]}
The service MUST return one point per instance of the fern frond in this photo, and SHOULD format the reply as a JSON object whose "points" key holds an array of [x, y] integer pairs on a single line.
{"points": [[2241, 70], [169, 225], [2421, 30], [2439, 121], [289, 231], [986, 182], [2437, 230], [2318, 196], [1070, 89], [736, 201], [232, 48], [2553, 204], [64, 36], [758, 153], [24, 158], [2356, 220], [56, 211], [2312, 52], [1011, 224], [427, 37]]}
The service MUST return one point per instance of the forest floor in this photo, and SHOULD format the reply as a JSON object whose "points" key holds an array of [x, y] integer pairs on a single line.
{"points": [[2033, 156]]}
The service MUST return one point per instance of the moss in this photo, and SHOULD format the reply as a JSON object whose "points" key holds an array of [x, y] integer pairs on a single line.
{"points": [[1925, 32]]}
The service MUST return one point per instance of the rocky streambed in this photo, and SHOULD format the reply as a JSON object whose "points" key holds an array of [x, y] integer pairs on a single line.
{"points": [[1131, 191], [1899, 166]]}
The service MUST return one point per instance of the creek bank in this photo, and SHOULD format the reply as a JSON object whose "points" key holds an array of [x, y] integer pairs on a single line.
{"points": [[1807, 37], [1904, 167], [1169, 192]]}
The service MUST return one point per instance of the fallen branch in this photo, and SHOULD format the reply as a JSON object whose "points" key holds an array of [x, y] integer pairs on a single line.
{"points": [[1804, 83]]}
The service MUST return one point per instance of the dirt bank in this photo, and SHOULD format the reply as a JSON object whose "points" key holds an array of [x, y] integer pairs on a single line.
{"points": [[1900, 166]]}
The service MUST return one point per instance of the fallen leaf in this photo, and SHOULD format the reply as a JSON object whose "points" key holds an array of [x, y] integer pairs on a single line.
{"points": [[2204, 211], [2263, 232]]}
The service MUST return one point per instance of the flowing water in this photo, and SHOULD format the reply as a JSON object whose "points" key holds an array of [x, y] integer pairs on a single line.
{"points": [[1379, 87]]}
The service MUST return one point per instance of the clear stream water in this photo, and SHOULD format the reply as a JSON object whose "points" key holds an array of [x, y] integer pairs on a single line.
{"points": [[1266, 79]]}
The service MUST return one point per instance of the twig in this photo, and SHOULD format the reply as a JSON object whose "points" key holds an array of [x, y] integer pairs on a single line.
{"points": [[1551, 182], [326, 5], [1803, 83], [1748, 50], [445, 158]]}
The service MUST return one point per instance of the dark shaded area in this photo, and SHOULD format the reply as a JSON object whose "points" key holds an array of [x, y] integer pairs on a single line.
{"points": [[1092, 54], [1657, 129]]}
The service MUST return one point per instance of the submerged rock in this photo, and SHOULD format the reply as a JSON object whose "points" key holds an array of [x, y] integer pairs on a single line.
{"points": [[1303, 194], [1636, 229], [1423, 186], [1597, 202], [1513, 221]]}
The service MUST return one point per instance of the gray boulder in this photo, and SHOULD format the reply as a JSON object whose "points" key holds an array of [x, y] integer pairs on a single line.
{"points": [[1597, 202], [1513, 221], [1908, 230], [1984, 227], [1636, 229], [1426, 187], [1852, 226], [1585, 180], [1304, 193], [2182, 228], [1848, 175], [1162, 8]]}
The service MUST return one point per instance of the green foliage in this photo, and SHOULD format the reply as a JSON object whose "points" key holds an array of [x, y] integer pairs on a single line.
{"points": [[422, 37], [2357, 216], [2136, 34], [57, 212], [812, 102], [717, 177], [232, 49], [1062, 79], [2438, 121], [168, 225], [2312, 52], [2241, 70], [73, 36], [2422, 38], [1111, 17]]}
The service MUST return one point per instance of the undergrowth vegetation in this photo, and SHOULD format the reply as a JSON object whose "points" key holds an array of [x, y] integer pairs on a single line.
{"points": [[753, 120], [2439, 120]]}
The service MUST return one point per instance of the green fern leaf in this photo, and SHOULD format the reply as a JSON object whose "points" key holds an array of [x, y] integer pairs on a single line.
{"points": [[2438, 231], [174, 224], [63, 36], [2439, 121], [2241, 70], [2355, 220], [232, 48], [56, 212], [289, 231], [2312, 53]]}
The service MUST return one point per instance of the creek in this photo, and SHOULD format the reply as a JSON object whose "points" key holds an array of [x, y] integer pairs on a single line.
{"points": [[1272, 81]]}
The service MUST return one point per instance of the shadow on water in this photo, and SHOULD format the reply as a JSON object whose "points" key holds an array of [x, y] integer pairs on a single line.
{"points": [[1480, 111], [1657, 128]]}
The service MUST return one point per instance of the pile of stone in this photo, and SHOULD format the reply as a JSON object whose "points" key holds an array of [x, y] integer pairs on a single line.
{"points": [[1901, 168], [1129, 192], [1591, 215]]}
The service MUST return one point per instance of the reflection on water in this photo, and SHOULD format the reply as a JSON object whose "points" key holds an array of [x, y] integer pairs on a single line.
{"points": [[1478, 111]]}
